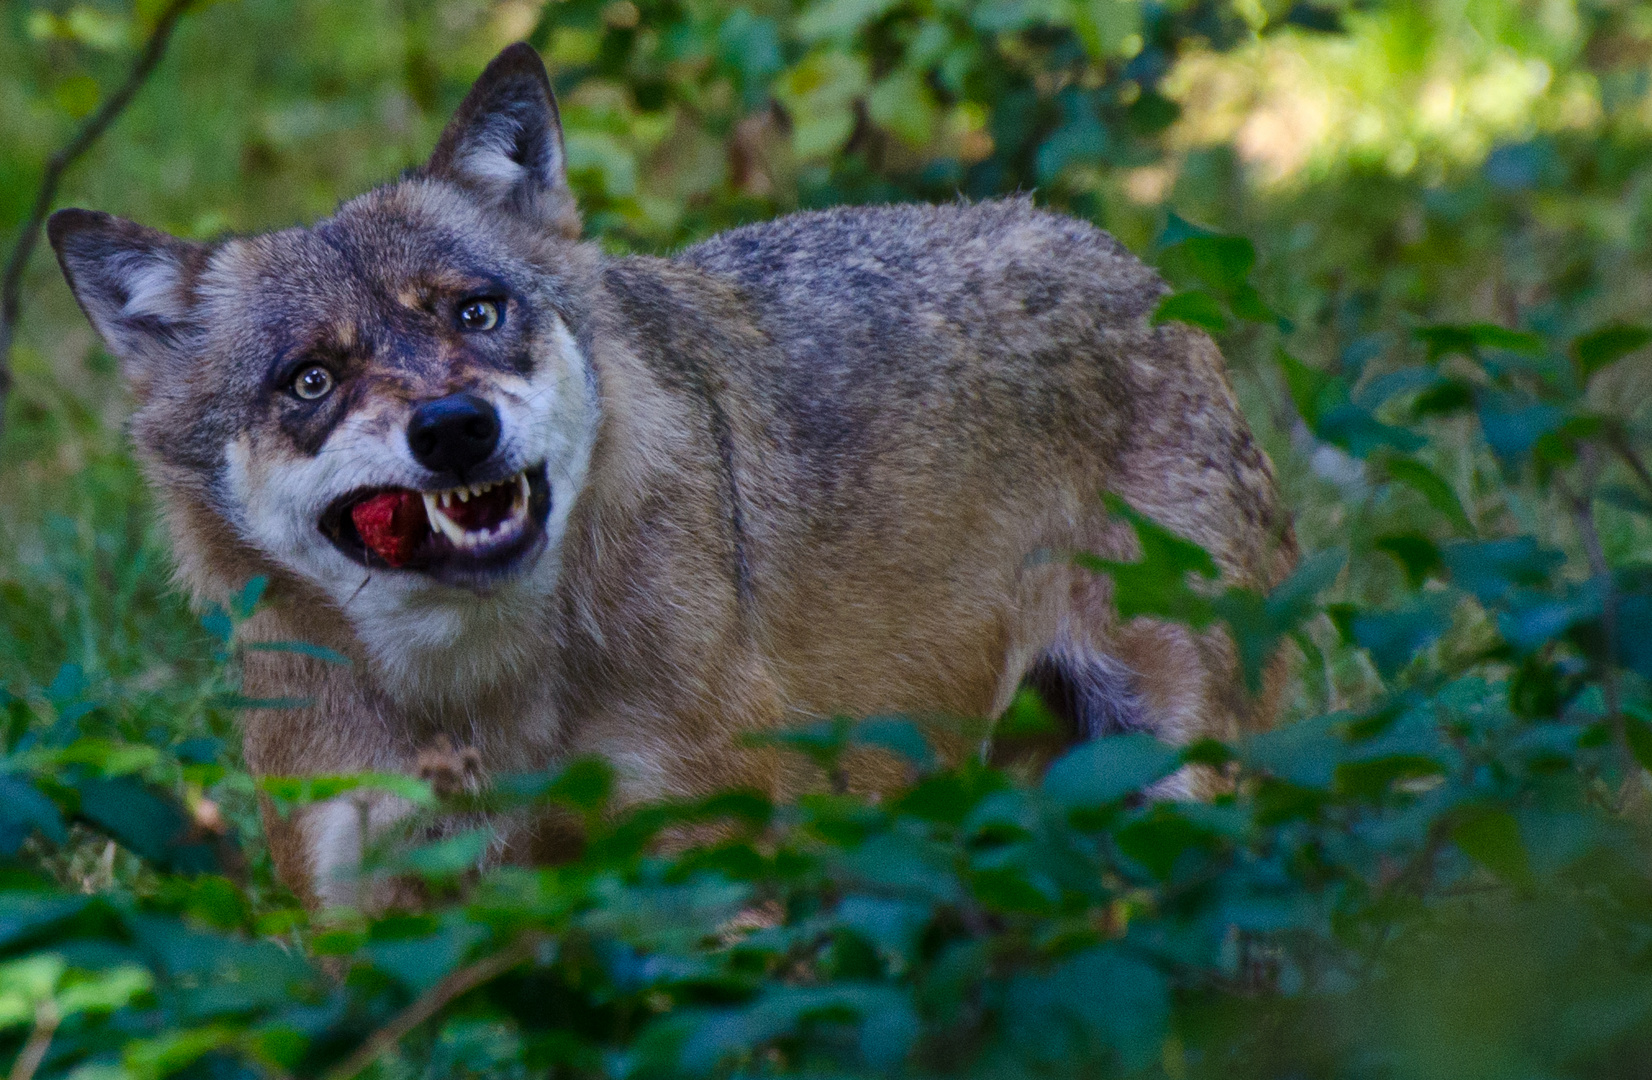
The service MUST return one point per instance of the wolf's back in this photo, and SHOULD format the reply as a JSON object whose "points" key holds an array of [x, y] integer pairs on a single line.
{"points": [[917, 410]]}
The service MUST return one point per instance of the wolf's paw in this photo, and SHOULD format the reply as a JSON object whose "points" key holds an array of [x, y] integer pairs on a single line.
{"points": [[449, 769]]}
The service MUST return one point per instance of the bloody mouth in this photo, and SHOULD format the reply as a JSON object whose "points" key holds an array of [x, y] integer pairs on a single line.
{"points": [[483, 526]]}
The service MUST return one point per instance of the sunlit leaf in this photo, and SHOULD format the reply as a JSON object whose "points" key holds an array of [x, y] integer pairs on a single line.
{"points": [[1195, 307]]}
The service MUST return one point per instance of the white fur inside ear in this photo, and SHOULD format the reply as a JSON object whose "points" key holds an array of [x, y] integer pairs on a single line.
{"points": [[495, 150], [491, 161], [153, 287]]}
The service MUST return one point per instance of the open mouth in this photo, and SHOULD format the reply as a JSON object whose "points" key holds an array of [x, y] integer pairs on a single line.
{"points": [[483, 527]]}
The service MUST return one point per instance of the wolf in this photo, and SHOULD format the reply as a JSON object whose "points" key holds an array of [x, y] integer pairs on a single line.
{"points": [[551, 502]]}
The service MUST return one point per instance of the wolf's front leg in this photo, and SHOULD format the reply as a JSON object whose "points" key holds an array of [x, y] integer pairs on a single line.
{"points": [[335, 835], [333, 838]]}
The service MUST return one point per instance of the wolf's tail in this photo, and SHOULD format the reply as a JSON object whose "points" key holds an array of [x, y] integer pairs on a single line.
{"points": [[1090, 693]]}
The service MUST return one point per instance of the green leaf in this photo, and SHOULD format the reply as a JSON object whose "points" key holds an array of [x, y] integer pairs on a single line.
{"points": [[819, 93], [420, 961], [153, 826], [1492, 570], [301, 648], [24, 914], [1295, 599], [1417, 555], [246, 601], [1222, 262], [897, 734], [237, 701], [1028, 715], [1305, 753], [1156, 584], [77, 95], [1606, 346], [304, 790], [1394, 637], [1429, 484], [23, 811], [450, 855], [1635, 633], [1080, 138], [1532, 621], [1638, 733], [1492, 839], [903, 103], [1467, 339], [1259, 624], [1359, 432], [1512, 427], [1103, 26], [1098, 1006], [1103, 771], [887, 1025], [97, 29], [1194, 307], [839, 18], [1313, 392]]}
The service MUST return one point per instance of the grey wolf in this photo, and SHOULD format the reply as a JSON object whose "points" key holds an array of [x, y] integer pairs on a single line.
{"points": [[552, 502]]}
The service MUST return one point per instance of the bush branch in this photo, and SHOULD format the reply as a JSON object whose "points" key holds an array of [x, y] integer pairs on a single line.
{"points": [[432, 1001], [1581, 505], [11, 283], [40, 1039]]}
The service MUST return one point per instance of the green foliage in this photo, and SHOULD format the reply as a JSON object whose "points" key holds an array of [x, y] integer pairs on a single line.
{"points": [[1436, 865]]}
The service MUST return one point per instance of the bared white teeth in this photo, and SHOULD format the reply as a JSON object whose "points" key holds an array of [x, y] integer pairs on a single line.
{"points": [[470, 539]]}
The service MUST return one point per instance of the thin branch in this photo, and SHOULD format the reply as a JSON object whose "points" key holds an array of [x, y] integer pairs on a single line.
{"points": [[40, 1039], [1619, 442], [1583, 515], [11, 284], [432, 1001]]}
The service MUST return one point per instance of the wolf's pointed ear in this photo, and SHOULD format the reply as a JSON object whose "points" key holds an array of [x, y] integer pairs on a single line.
{"points": [[135, 284], [505, 142]]}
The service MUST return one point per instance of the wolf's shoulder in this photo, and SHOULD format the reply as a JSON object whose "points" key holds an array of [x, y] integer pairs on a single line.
{"points": [[930, 250]]}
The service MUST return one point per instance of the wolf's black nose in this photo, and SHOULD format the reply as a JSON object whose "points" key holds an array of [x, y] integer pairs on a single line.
{"points": [[453, 434]]}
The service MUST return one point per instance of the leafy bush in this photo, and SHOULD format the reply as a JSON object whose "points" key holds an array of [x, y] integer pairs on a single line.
{"points": [[1437, 866]]}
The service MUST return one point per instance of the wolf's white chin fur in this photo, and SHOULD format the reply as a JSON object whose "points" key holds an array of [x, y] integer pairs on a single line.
{"points": [[427, 641]]}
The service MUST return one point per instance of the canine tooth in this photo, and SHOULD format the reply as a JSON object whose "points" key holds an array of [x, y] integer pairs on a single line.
{"points": [[449, 528], [431, 512]]}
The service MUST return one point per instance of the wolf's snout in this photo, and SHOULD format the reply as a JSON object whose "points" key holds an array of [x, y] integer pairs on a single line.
{"points": [[453, 434]]}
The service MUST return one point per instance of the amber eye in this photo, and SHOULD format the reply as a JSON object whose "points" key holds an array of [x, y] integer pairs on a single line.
{"points": [[478, 315], [313, 383]]}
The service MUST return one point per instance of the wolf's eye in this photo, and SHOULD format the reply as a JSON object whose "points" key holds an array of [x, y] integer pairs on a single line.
{"points": [[313, 383], [476, 315]]}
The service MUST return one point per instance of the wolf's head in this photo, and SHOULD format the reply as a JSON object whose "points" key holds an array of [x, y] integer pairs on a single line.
{"points": [[390, 405]]}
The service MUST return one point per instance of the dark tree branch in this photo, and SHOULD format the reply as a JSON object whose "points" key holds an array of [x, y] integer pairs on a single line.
{"points": [[1581, 505], [11, 284]]}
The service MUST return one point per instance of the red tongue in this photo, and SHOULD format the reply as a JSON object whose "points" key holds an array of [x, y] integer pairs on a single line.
{"points": [[391, 523]]}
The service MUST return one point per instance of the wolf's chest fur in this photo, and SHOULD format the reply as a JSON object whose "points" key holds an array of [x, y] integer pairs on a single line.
{"points": [[551, 502]]}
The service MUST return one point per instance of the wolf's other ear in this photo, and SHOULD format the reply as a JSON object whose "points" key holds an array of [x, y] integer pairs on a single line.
{"points": [[135, 284], [505, 142]]}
